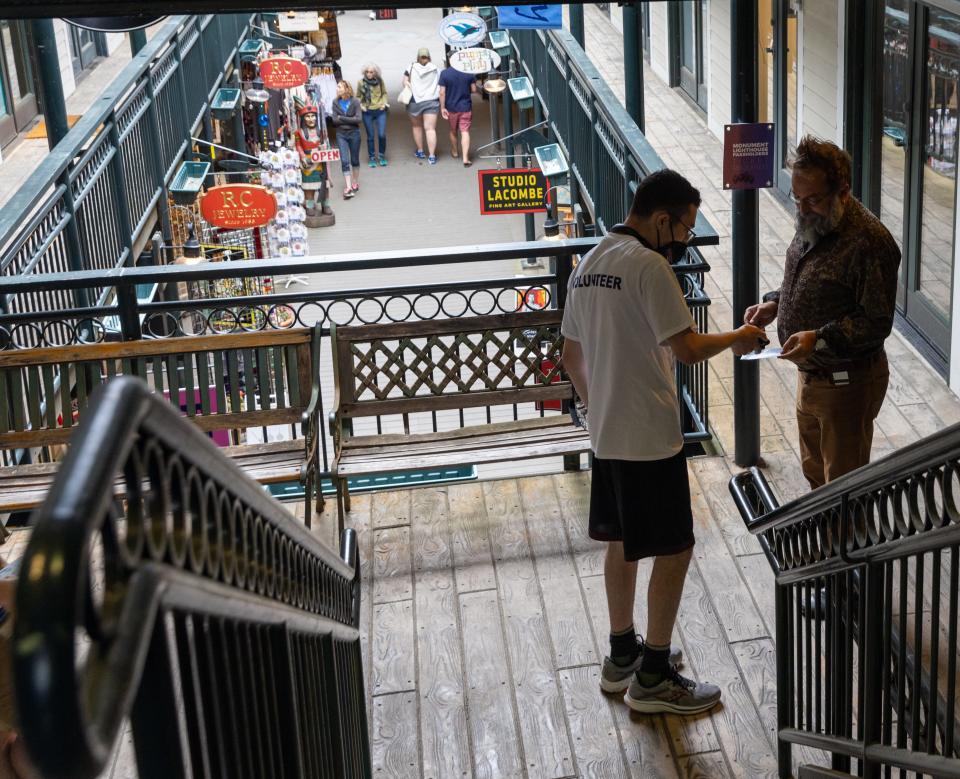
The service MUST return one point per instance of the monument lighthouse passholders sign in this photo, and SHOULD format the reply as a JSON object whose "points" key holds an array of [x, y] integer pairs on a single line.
{"points": [[748, 156]]}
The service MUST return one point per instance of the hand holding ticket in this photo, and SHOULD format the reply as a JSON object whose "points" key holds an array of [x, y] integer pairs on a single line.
{"points": [[765, 354]]}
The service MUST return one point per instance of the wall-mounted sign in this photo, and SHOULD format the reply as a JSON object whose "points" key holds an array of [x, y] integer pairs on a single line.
{"points": [[113, 23], [462, 30], [385, 14], [298, 21], [748, 156], [324, 155], [512, 191], [238, 206], [474, 60], [530, 17], [283, 72]]}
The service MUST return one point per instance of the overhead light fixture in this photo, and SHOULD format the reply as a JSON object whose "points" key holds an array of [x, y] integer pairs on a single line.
{"points": [[256, 93], [494, 86]]}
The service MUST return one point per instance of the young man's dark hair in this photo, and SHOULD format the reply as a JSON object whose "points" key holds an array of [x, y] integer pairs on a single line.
{"points": [[666, 190]]}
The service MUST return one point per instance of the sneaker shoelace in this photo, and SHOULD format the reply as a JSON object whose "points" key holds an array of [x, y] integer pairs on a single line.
{"points": [[674, 676]]}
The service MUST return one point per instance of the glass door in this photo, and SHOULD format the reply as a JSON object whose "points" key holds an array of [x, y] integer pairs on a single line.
{"points": [[919, 159], [692, 70], [779, 78], [18, 101], [83, 46]]}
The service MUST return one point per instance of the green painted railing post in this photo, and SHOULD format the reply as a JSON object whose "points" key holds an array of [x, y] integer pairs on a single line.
{"points": [[633, 64], [51, 84], [138, 39], [120, 181], [576, 24], [127, 308]]}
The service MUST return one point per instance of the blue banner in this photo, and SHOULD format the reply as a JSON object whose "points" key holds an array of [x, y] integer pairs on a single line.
{"points": [[530, 17]]}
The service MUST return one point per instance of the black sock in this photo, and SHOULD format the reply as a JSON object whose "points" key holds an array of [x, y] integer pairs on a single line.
{"points": [[624, 648], [655, 664]]}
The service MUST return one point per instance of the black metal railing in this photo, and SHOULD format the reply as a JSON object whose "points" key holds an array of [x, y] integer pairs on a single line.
{"points": [[162, 585], [456, 290], [607, 152], [867, 611], [91, 202]]}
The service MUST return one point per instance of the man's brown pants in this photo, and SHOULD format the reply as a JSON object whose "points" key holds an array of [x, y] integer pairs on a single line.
{"points": [[836, 420]]}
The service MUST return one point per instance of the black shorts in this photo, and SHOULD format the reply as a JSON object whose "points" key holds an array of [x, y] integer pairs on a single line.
{"points": [[644, 503]]}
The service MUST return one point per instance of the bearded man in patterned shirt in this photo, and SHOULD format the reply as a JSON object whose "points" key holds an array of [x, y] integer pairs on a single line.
{"points": [[834, 309]]}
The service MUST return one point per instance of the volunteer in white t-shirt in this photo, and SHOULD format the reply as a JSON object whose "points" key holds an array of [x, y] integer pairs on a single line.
{"points": [[624, 322]]}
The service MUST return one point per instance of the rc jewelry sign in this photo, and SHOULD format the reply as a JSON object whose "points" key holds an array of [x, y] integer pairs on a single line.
{"points": [[474, 61], [512, 191], [283, 72], [238, 206]]}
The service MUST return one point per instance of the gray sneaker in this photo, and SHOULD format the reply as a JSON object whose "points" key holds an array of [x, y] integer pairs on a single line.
{"points": [[616, 678], [674, 695]]}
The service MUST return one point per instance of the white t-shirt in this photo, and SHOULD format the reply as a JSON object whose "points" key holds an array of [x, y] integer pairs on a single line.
{"points": [[623, 303]]}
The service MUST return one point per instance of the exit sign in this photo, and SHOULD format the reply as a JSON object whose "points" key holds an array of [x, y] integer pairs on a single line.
{"points": [[384, 14]]}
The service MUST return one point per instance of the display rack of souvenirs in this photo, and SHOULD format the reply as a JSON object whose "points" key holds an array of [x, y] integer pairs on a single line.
{"points": [[287, 231]]}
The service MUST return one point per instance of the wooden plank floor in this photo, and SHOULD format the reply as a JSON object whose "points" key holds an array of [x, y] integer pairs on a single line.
{"points": [[484, 622]]}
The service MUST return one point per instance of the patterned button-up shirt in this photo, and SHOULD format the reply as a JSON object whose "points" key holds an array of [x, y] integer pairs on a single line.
{"points": [[844, 287]]}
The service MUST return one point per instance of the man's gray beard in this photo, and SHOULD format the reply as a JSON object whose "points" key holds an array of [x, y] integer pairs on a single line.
{"points": [[813, 227]]}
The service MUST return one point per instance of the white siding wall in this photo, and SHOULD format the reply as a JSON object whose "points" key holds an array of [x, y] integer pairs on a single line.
{"points": [[115, 40], [718, 55], [66, 60], [659, 40], [616, 16], [822, 65]]}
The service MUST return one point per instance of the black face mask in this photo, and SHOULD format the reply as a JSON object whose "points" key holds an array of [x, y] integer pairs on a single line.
{"points": [[673, 250]]}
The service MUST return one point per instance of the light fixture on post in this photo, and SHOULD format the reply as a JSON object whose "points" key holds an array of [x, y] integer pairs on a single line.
{"points": [[224, 103], [256, 93], [521, 90], [188, 182], [551, 160], [499, 41]]}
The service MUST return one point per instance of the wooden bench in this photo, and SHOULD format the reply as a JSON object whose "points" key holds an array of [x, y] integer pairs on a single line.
{"points": [[481, 378], [227, 384]]}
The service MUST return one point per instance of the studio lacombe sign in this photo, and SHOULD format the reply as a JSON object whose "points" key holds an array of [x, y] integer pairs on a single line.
{"points": [[238, 206]]}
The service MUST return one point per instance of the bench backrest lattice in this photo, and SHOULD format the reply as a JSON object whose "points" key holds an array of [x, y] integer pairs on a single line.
{"points": [[221, 382], [449, 364]]}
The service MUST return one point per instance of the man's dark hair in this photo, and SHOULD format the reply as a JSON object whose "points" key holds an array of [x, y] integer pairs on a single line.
{"points": [[664, 190], [816, 154]]}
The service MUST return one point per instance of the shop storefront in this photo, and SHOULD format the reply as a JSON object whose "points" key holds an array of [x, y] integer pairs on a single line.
{"points": [[18, 100], [918, 184]]}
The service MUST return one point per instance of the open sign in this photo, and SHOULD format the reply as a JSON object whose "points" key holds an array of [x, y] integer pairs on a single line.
{"points": [[324, 155]]}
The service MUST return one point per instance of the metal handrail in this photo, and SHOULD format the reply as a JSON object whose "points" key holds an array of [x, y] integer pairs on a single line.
{"points": [[851, 561], [199, 544]]}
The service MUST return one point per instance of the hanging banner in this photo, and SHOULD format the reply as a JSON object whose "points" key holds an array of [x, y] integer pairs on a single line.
{"points": [[238, 206], [298, 21], [283, 72], [462, 30], [748, 156], [512, 191], [530, 17], [474, 61]]}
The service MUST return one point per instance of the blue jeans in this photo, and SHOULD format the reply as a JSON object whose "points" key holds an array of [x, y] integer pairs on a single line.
{"points": [[348, 141], [378, 119]]}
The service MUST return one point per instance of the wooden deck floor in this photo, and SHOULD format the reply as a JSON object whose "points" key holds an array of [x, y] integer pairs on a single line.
{"points": [[484, 623]]}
